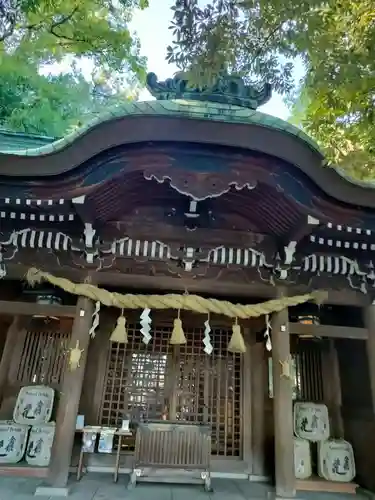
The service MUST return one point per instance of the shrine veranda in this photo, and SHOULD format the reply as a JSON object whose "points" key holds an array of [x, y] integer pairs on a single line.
{"points": [[192, 194]]}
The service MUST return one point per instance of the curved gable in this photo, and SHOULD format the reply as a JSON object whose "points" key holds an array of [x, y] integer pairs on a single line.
{"points": [[186, 122]]}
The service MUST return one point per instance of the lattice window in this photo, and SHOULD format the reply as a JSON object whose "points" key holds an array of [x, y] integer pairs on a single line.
{"points": [[135, 378], [144, 380], [43, 356], [309, 375], [306, 372]]}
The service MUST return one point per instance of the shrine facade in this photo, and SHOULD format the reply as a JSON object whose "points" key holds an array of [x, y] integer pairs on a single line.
{"points": [[194, 194]]}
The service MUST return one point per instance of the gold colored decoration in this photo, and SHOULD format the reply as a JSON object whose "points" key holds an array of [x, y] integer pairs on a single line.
{"points": [[286, 368], [75, 357], [193, 303], [178, 336], [120, 334], [236, 343]]}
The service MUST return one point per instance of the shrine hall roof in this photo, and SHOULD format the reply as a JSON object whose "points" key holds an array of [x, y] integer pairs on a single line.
{"points": [[13, 141], [193, 121], [34, 145]]}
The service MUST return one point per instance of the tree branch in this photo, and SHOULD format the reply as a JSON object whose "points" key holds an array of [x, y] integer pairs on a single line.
{"points": [[64, 19]]}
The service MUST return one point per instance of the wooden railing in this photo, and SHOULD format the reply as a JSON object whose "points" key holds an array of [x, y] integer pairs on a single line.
{"points": [[172, 452]]}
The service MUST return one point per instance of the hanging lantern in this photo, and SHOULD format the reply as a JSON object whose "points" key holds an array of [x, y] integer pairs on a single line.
{"points": [[43, 296], [307, 314]]}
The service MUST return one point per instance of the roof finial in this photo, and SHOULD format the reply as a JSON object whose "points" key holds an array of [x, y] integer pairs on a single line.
{"points": [[227, 89]]}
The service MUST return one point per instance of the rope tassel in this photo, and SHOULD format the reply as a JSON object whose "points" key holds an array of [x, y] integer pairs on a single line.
{"points": [[120, 334], [178, 336], [236, 343]]}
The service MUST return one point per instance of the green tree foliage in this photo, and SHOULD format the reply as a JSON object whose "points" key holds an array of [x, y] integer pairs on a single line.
{"points": [[49, 105], [335, 39], [49, 30]]}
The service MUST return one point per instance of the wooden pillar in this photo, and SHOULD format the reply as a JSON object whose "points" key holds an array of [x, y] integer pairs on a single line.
{"points": [[258, 387], [67, 410], [332, 391], [370, 324], [282, 407]]}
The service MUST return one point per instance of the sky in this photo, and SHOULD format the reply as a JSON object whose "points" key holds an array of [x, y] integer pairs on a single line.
{"points": [[151, 26]]}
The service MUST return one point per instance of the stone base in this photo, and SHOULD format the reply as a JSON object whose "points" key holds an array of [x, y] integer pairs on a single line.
{"points": [[259, 479], [272, 495], [50, 491]]}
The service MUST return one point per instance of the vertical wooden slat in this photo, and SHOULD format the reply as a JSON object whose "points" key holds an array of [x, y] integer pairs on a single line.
{"points": [[246, 406], [333, 392], [226, 374], [174, 374], [207, 388], [312, 359], [17, 357], [299, 373], [12, 338], [27, 358]]}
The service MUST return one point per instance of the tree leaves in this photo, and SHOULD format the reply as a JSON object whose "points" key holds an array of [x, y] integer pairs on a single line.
{"points": [[49, 30], [49, 105], [258, 39]]}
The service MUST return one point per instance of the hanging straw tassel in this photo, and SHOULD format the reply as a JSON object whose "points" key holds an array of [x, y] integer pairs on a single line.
{"points": [[178, 336], [236, 343], [120, 334]]}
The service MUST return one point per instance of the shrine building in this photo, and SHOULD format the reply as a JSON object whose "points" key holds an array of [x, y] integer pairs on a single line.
{"points": [[185, 286]]}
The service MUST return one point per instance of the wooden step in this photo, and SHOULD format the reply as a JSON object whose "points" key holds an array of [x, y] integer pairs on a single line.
{"points": [[23, 470], [321, 485]]}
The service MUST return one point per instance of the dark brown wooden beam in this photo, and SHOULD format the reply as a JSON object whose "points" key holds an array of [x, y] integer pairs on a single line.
{"points": [[336, 332], [141, 230], [30, 309]]}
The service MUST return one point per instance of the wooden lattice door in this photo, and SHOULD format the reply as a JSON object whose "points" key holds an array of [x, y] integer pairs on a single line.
{"points": [[149, 381], [39, 357], [43, 354], [209, 389]]}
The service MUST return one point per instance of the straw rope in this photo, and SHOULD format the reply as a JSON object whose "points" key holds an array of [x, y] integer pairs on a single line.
{"points": [[193, 303]]}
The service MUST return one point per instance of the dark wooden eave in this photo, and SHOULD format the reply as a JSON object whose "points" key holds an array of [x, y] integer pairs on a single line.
{"points": [[141, 129]]}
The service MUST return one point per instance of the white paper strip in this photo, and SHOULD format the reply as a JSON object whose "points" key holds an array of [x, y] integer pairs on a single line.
{"points": [[146, 325], [208, 348], [267, 334], [95, 320]]}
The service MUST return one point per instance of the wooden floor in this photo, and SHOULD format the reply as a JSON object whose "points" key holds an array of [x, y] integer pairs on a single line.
{"points": [[322, 486]]}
